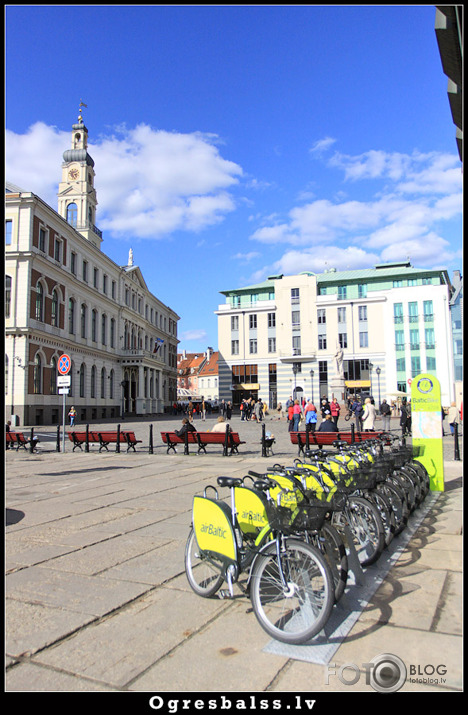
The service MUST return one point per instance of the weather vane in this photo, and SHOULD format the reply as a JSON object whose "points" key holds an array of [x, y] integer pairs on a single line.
{"points": [[82, 104]]}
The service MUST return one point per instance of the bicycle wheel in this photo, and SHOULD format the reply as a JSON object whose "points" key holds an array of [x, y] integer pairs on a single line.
{"points": [[386, 514], [295, 613], [334, 550], [403, 482], [364, 522], [397, 500], [203, 574]]}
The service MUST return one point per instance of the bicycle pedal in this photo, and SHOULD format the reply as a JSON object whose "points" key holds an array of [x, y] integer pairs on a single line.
{"points": [[224, 594]]}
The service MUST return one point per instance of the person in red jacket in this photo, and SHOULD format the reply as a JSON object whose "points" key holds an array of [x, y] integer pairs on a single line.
{"points": [[335, 410]]}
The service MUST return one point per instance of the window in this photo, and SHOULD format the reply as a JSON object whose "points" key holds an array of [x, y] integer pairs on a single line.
{"points": [[342, 315], [53, 376], [252, 347], [104, 290], [254, 297], [96, 278], [83, 320], [272, 320], [413, 312], [428, 311], [398, 312], [8, 232], [322, 342], [234, 322], [363, 339], [234, 347], [113, 289], [253, 321], [342, 292], [73, 263], [111, 385], [271, 345], [72, 214], [397, 284], [7, 296], [112, 333], [363, 313], [85, 271], [412, 282], [458, 347], [343, 340], [58, 249], [429, 335], [104, 329], [399, 340], [362, 290], [296, 319], [401, 365], [415, 365], [71, 316], [430, 364], [321, 316], [82, 379], [414, 339], [94, 325], [103, 383], [42, 239], [93, 381], [427, 281], [55, 309], [294, 295], [296, 345], [39, 302], [37, 375]]}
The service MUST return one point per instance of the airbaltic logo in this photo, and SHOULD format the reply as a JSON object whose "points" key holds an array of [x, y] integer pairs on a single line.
{"points": [[251, 517], [425, 385], [213, 530]]}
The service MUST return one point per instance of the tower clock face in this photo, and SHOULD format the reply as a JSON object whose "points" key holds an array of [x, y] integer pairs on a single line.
{"points": [[73, 173]]}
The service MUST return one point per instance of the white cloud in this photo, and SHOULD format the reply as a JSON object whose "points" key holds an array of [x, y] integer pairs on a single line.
{"points": [[322, 145], [149, 182], [191, 335], [246, 257]]}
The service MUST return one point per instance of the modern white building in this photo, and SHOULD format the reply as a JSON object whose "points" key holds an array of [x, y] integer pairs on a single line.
{"points": [[63, 295], [281, 337]]}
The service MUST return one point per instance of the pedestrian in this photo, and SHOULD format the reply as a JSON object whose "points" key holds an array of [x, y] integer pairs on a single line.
{"points": [[297, 414], [290, 416], [7, 429], [357, 410], [386, 413], [327, 424], [310, 416], [453, 417], [335, 410], [203, 409], [279, 410], [72, 416], [186, 427], [258, 410], [324, 407], [368, 416], [405, 419], [228, 411]]}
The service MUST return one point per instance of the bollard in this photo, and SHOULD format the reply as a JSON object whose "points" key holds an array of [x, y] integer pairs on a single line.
{"points": [[457, 446], [87, 439], [57, 446], [151, 439], [226, 442], [31, 441], [307, 438], [186, 447], [117, 446], [264, 449], [353, 439]]}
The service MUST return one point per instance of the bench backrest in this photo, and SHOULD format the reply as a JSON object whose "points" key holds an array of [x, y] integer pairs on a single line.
{"points": [[329, 437], [15, 436], [213, 437]]}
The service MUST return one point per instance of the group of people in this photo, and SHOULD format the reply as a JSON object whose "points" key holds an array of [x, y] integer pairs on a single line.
{"points": [[298, 413], [252, 409]]}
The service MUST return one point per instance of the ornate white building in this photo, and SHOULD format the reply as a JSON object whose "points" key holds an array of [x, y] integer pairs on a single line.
{"points": [[63, 295]]}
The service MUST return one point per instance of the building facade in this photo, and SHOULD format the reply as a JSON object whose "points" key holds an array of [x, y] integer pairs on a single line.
{"points": [[282, 338], [63, 295]]}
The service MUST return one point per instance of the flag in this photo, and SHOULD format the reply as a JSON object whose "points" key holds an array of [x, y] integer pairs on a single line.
{"points": [[157, 344]]}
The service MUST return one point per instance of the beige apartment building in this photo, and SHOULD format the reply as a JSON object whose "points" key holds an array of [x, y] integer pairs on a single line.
{"points": [[63, 295], [282, 338]]}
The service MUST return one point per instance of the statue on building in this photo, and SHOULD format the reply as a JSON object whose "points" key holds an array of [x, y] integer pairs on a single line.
{"points": [[339, 360], [130, 257]]}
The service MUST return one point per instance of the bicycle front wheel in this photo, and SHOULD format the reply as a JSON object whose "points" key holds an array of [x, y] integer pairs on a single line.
{"points": [[203, 573], [294, 611], [364, 522]]}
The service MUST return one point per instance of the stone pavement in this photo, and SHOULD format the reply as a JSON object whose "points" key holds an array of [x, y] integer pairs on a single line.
{"points": [[97, 598]]}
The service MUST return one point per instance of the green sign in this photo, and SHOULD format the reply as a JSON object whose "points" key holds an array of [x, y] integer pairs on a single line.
{"points": [[426, 427]]}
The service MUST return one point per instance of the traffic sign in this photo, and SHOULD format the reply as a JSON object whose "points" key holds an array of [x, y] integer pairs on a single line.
{"points": [[63, 380], [64, 364], [64, 391]]}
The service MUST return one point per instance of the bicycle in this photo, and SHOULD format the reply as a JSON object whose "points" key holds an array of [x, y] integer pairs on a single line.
{"points": [[288, 580]]}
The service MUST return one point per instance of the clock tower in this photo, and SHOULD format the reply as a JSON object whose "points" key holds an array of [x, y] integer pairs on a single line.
{"points": [[76, 195]]}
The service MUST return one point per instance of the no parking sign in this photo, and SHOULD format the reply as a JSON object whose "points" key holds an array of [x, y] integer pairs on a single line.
{"points": [[64, 364]]}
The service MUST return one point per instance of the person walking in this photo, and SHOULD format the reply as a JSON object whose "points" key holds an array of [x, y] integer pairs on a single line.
{"points": [[72, 416], [297, 414], [453, 417], [357, 410], [335, 410], [368, 416], [386, 412], [310, 416]]}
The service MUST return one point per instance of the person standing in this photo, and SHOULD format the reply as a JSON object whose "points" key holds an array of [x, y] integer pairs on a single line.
{"points": [[297, 413], [72, 416], [203, 409], [357, 410], [386, 412], [453, 416], [368, 417], [228, 411], [404, 418], [324, 407], [310, 416], [335, 410]]}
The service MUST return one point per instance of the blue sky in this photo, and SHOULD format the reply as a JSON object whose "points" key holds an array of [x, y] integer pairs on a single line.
{"points": [[234, 142]]}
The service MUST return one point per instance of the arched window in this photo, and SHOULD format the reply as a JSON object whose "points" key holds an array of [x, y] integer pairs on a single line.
{"points": [[112, 333], [103, 383], [93, 381], [111, 385], [39, 302], [103, 329], [72, 214], [37, 378], [83, 320], [94, 326], [71, 316], [53, 376], [82, 379], [55, 309]]}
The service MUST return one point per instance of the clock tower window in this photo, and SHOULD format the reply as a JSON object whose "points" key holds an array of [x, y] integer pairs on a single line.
{"points": [[72, 214]]}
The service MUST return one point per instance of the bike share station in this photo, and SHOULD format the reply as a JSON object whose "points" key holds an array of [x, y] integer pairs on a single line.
{"points": [[363, 582]]}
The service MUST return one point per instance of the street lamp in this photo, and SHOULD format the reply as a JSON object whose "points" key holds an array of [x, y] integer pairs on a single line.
{"points": [[295, 371], [370, 379], [312, 385], [378, 371]]}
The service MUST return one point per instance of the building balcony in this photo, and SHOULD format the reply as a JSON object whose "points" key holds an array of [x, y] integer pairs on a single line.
{"points": [[297, 355]]}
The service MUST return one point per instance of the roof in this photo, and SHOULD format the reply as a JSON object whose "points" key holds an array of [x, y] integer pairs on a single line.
{"points": [[211, 367]]}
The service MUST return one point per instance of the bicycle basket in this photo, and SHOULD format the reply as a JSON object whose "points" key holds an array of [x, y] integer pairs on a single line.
{"points": [[306, 517], [365, 478]]}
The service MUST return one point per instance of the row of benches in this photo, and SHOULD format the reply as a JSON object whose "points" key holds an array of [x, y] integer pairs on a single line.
{"points": [[17, 439], [306, 440], [230, 441], [104, 439]]}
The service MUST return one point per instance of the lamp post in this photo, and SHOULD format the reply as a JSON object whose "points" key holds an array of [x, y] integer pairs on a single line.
{"points": [[294, 369], [370, 378], [312, 385], [378, 371]]}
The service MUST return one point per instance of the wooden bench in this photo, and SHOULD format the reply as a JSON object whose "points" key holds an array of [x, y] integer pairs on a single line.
{"points": [[17, 439], [229, 440], [323, 439], [104, 439]]}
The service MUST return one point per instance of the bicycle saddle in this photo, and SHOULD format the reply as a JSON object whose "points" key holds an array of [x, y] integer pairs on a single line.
{"points": [[229, 481]]}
